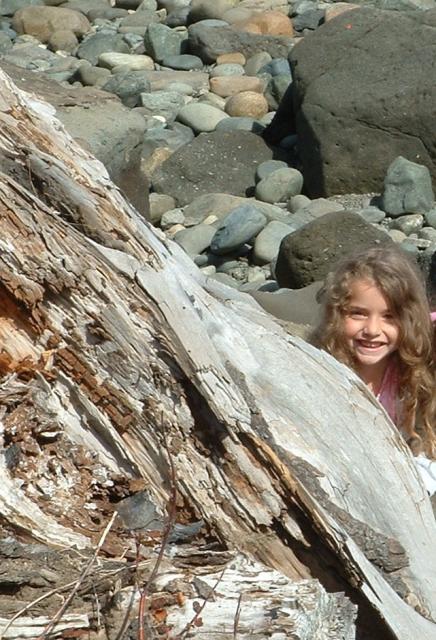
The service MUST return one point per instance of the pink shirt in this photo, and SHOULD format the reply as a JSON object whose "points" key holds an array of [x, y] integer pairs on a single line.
{"points": [[388, 394]]}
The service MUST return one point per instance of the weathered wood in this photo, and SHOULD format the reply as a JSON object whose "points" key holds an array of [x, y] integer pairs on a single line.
{"points": [[282, 451]]}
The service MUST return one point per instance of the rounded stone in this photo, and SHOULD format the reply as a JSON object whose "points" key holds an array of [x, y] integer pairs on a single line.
{"points": [[128, 86], [247, 103], [240, 123], [274, 23], [256, 62], [196, 239], [298, 202], [160, 204], [268, 167], [110, 60], [237, 228], [227, 69], [42, 21], [63, 40], [200, 117], [279, 186], [408, 224], [231, 58], [227, 86], [267, 243], [183, 62]]}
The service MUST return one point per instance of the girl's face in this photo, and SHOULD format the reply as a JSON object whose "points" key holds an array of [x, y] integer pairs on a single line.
{"points": [[371, 331]]}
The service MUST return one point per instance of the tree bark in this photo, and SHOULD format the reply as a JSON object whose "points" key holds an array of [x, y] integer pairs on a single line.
{"points": [[121, 359]]}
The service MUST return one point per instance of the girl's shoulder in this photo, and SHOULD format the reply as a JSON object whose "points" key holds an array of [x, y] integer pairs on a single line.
{"points": [[433, 316]]}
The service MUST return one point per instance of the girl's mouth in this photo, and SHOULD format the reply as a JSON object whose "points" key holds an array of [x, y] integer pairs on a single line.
{"points": [[370, 345]]}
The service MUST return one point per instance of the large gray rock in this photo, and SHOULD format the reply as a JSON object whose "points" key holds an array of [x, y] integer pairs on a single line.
{"points": [[101, 124], [407, 188], [308, 254], [369, 98], [212, 163], [210, 42]]}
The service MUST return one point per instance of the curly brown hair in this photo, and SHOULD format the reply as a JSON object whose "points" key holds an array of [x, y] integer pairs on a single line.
{"points": [[397, 276]]}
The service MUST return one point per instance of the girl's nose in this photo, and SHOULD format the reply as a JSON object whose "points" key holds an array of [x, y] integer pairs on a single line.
{"points": [[372, 326]]}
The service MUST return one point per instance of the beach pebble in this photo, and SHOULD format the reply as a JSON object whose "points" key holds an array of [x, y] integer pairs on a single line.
{"points": [[280, 185], [200, 117], [247, 103], [237, 228]]}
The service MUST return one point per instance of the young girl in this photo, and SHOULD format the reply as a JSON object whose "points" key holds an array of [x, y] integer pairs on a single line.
{"points": [[376, 319]]}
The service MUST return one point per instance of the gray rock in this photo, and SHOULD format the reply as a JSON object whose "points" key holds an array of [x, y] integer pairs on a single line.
{"points": [[240, 123], [105, 13], [183, 62], [224, 278], [292, 305], [128, 86], [279, 186], [91, 76], [218, 205], [277, 67], [196, 239], [276, 89], [428, 233], [30, 56], [125, 62], [267, 243], [407, 188], [209, 42], [9, 7], [177, 18], [139, 19], [266, 168], [212, 163], [172, 217], [163, 103], [408, 224], [237, 228], [397, 236], [160, 42], [174, 136], [181, 87], [159, 204], [93, 46], [430, 218], [372, 215], [5, 43], [227, 69], [319, 207], [308, 20], [257, 62], [200, 117], [298, 203], [387, 108], [207, 10], [308, 254]]}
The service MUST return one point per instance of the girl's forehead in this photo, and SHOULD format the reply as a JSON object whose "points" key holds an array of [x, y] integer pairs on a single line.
{"points": [[367, 293]]}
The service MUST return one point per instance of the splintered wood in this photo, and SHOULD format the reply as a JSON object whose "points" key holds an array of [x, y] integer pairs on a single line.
{"points": [[120, 357]]}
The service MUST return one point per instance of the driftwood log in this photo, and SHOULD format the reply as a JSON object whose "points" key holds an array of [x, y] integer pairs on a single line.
{"points": [[126, 371]]}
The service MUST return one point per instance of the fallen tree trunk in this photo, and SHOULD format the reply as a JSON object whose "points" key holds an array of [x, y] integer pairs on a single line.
{"points": [[121, 360]]}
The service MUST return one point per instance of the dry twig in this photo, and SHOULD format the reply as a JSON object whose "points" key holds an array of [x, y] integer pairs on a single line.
{"points": [[192, 622], [237, 616], [82, 577]]}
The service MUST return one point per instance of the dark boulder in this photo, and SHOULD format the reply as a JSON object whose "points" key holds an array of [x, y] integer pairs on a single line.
{"points": [[368, 98], [308, 254]]}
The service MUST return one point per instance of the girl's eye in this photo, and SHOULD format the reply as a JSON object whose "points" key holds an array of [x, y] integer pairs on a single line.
{"points": [[356, 314]]}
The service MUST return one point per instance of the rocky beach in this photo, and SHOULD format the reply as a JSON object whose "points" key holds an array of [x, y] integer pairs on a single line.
{"points": [[175, 462], [265, 137]]}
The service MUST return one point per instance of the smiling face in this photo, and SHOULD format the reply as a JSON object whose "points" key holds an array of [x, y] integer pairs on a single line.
{"points": [[371, 331]]}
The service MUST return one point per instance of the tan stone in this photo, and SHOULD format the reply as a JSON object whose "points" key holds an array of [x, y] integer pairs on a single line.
{"points": [[247, 103], [337, 9], [231, 58], [154, 160], [226, 86], [272, 23], [42, 21]]}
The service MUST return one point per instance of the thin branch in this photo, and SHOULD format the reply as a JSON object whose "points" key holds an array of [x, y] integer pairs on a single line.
{"points": [[237, 616], [35, 602], [192, 622], [82, 577]]}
